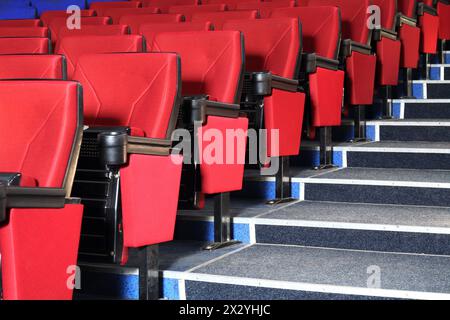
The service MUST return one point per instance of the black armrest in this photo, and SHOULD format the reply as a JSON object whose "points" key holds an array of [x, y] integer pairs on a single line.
{"points": [[402, 19], [422, 8], [18, 197], [262, 83], [10, 178], [198, 108], [378, 34], [349, 46], [313, 61]]}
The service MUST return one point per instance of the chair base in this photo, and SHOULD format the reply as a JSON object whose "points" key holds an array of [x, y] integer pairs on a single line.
{"points": [[221, 245], [280, 201]]}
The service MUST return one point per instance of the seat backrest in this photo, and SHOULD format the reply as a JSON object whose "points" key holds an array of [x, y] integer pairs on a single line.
{"points": [[75, 47], [24, 45], [138, 90], [107, 30], [32, 66], [48, 16], [219, 18], [320, 36], [102, 7], [164, 5], [135, 21], [271, 44], [7, 12], [57, 24], [212, 62], [24, 32], [187, 11], [150, 30], [354, 17], [230, 3], [40, 121], [407, 7], [46, 5], [117, 13], [265, 8], [388, 10], [20, 23]]}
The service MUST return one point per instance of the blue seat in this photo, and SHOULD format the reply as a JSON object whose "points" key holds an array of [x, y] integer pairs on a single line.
{"points": [[45, 5], [17, 12]]}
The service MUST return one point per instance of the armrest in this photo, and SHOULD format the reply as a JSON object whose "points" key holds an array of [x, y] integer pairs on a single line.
{"points": [[262, 83], [198, 108], [350, 46], [313, 61], [422, 8], [378, 34], [402, 19], [10, 178]]}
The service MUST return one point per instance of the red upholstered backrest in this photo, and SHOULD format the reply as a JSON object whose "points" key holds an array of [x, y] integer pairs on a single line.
{"points": [[211, 62], [164, 5], [219, 18], [74, 47], [388, 12], [187, 11], [20, 23], [270, 44], [230, 3], [23, 32], [354, 17], [265, 8], [117, 13], [38, 124], [320, 36], [101, 7], [108, 30], [24, 45], [57, 24], [48, 16], [135, 21], [149, 31], [32, 66], [407, 7], [138, 90]]}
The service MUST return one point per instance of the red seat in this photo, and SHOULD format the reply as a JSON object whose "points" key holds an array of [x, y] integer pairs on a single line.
{"points": [[409, 34], [48, 16], [58, 24], [24, 45], [21, 23], [106, 30], [27, 32], [34, 66], [265, 8], [219, 18], [187, 11], [164, 5], [232, 4], [117, 13], [41, 127], [428, 21], [74, 47], [150, 30], [135, 21], [444, 20], [139, 91], [101, 7]]}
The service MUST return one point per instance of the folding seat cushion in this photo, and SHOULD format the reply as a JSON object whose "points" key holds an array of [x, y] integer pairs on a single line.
{"points": [[135, 21], [219, 18], [102, 7], [428, 21], [17, 12], [265, 8], [387, 44], [75, 47], [150, 30], [187, 11], [232, 4], [107, 30], [164, 5], [32, 66], [58, 24], [24, 32], [41, 125], [117, 13], [48, 16], [213, 70], [409, 33], [139, 91], [24, 45], [321, 42], [274, 45], [20, 23], [443, 9]]}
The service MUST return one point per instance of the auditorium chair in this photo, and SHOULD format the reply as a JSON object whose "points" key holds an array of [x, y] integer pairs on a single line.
{"points": [[24, 32], [135, 21], [187, 11], [272, 96], [443, 11], [265, 8], [231, 4], [60, 23], [212, 75], [20, 23], [93, 30], [75, 47], [150, 30], [219, 18], [33, 66], [13, 12], [46, 5], [320, 73], [117, 13], [127, 176], [40, 223], [47, 16], [25, 45], [101, 7], [164, 5]]}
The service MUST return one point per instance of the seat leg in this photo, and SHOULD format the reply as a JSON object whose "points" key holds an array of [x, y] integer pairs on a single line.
{"points": [[442, 51], [282, 183], [387, 103], [360, 124], [326, 149], [146, 259], [425, 70], [222, 223], [408, 84]]}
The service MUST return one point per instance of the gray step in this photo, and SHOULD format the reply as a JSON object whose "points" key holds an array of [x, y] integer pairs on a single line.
{"points": [[431, 109]]}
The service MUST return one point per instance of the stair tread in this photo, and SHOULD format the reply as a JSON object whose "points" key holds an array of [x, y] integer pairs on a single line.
{"points": [[445, 146]]}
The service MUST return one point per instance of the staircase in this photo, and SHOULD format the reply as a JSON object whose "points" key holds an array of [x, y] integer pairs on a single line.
{"points": [[375, 227]]}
